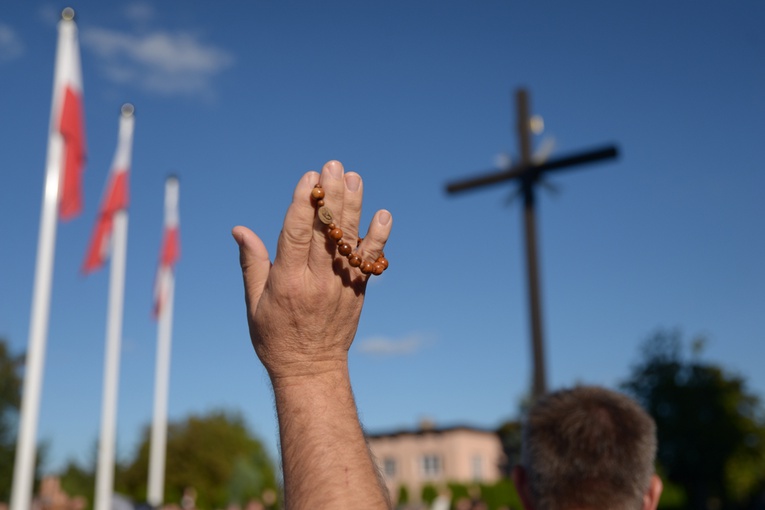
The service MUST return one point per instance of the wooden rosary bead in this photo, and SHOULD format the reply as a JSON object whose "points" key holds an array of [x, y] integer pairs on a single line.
{"points": [[343, 247], [317, 193]]}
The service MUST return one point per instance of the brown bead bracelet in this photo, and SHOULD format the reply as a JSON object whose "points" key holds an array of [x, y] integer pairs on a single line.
{"points": [[335, 234]]}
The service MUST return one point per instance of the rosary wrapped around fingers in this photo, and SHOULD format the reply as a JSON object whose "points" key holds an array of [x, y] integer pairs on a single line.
{"points": [[344, 248], [303, 314]]}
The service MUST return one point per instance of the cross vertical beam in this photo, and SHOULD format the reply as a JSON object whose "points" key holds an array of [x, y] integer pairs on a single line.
{"points": [[528, 174], [539, 376]]}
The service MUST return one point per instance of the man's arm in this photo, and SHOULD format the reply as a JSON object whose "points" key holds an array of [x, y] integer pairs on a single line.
{"points": [[303, 312]]}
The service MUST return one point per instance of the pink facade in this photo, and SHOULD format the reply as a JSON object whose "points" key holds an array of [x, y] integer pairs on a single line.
{"points": [[436, 456]]}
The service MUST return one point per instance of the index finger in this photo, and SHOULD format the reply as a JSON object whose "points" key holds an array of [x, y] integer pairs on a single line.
{"points": [[297, 232]]}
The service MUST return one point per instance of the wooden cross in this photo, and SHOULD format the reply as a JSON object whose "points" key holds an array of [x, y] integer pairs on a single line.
{"points": [[529, 174]]}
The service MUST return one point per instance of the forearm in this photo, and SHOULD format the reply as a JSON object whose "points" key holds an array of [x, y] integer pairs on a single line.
{"points": [[325, 457], [303, 311]]}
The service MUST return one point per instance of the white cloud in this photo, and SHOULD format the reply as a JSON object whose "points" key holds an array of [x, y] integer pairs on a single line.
{"points": [[10, 44], [158, 61], [140, 12], [385, 346]]}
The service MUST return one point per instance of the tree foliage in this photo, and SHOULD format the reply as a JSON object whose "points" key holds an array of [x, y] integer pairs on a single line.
{"points": [[429, 493], [403, 495], [510, 435], [501, 494], [497, 495], [710, 428], [214, 454], [10, 399], [78, 481]]}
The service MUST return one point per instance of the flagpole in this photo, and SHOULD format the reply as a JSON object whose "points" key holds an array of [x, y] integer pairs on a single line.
{"points": [[106, 447], [23, 470], [158, 448], [24, 465], [105, 472]]}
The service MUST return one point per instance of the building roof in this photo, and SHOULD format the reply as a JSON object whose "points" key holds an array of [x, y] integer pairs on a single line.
{"points": [[427, 428]]}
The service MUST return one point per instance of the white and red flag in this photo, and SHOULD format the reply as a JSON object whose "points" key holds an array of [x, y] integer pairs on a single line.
{"points": [[171, 248], [116, 195], [67, 119]]}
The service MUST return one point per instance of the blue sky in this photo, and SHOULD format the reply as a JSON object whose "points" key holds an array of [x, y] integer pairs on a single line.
{"points": [[241, 98]]}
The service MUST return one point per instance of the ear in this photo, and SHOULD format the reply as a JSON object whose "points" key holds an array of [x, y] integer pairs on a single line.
{"points": [[652, 495], [521, 482]]}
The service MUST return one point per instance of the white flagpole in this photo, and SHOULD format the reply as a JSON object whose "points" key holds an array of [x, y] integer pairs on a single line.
{"points": [[23, 469], [159, 425], [24, 465], [106, 446], [158, 448], [105, 472]]}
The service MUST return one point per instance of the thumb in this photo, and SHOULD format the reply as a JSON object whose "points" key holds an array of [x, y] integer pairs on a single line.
{"points": [[253, 258]]}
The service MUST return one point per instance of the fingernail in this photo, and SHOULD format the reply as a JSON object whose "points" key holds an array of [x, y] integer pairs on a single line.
{"points": [[383, 218], [352, 182], [335, 169]]}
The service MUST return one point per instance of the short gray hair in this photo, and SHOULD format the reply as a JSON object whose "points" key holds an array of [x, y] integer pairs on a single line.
{"points": [[588, 447]]}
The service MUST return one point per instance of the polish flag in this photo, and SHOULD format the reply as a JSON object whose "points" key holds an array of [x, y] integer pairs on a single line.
{"points": [[171, 248], [67, 118], [116, 195]]}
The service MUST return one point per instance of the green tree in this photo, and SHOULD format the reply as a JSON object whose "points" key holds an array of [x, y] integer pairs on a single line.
{"points": [[428, 493], [710, 428], [500, 494], [78, 481], [10, 400], [403, 495], [215, 454], [458, 491], [510, 434], [496, 495]]}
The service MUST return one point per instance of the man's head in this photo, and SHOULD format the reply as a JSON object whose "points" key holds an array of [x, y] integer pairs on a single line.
{"points": [[588, 448]]}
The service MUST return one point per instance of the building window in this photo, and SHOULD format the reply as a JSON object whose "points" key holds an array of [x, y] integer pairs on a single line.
{"points": [[389, 467], [431, 466], [477, 468]]}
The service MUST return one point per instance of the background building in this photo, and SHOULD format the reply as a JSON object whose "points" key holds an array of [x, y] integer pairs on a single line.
{"points": [[431, 455]]}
